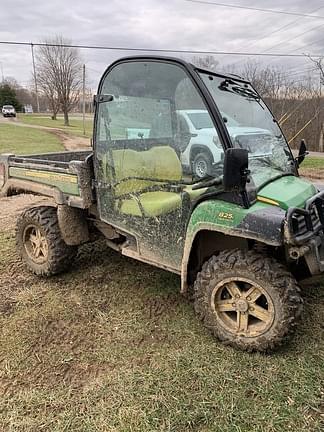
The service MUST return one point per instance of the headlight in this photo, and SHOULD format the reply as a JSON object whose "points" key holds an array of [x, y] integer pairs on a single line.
{"points": [[217, 142], [2, 174]]}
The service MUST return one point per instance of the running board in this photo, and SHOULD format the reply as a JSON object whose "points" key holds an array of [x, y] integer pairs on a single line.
{"points": [[133, 254]]}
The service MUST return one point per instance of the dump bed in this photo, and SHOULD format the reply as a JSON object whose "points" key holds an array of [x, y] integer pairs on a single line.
{"points": [[65, 176]]}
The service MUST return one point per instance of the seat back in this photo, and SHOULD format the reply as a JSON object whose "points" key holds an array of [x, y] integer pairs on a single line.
{"points": [[132, 171]]}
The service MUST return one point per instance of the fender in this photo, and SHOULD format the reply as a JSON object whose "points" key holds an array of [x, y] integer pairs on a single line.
{"points": [[196, 148], [261, 222]]}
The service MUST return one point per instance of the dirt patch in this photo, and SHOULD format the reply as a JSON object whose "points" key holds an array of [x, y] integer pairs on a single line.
{"points": [[312, 173], [71, 142], [11, 207]]}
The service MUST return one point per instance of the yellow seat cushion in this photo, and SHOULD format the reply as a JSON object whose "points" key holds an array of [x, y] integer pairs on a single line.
{"points": [[153, 203]]}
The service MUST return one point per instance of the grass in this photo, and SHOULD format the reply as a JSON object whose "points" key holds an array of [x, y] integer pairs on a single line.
{"points": [[112, 346], [313, 162], [21, 140], [313, 168], [75, 128]]}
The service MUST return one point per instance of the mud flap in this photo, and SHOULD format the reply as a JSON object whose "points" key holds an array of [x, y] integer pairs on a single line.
{"points": [[73, 225]]}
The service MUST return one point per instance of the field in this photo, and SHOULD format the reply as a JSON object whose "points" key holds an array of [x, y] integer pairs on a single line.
{"points": [[112, 346], [23, 140], [75, 128], [313, 168]]}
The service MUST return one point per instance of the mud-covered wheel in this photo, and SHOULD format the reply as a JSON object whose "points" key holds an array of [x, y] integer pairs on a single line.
{"points": [[248, 300], [40, 244]]}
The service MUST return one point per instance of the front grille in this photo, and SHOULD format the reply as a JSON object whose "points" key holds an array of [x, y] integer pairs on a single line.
{"points": [[307, 222], [302, 224]]}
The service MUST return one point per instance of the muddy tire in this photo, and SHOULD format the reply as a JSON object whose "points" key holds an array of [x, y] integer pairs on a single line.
{"points": [[39, 242], [247, 300]]}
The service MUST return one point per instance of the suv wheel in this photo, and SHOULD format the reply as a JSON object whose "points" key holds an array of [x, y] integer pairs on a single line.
{"points": [[201, 165]]}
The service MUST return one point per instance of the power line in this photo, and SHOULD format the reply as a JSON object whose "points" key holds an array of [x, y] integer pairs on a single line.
{"points": [[294, 37], [277, 31], [255, 9], [182, 51]]}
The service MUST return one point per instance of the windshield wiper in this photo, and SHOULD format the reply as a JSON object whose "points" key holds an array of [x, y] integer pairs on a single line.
{"points": [[249, 94]]}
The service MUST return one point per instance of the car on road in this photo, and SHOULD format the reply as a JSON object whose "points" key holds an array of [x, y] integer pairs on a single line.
{"points": [[205, 150], [8, 111]]}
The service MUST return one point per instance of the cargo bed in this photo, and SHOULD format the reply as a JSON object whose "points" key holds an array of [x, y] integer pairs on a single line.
{"points": [[65, 176]]}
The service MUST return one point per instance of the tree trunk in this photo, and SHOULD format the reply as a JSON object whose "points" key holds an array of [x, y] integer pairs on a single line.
{"points": [[66, 118], [54, 115], [320, 144]]}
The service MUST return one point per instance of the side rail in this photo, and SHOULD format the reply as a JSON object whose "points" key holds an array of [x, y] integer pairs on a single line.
{"points": [[70, 185]]}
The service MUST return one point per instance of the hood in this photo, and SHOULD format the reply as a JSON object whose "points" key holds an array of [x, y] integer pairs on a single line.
{"points": [[288, 191], [235, 131]]}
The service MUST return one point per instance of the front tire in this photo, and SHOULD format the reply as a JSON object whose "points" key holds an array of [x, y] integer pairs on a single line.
{"points": [[248, 300], [40, 244], [201, 165]]}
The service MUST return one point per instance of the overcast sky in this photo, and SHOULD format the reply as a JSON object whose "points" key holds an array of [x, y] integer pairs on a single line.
{"points": [[170, 24]]}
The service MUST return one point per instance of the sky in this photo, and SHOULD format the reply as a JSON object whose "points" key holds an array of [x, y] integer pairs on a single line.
{"points": [[166, 24]]}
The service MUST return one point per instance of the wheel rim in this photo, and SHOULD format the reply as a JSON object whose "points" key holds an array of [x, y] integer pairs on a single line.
{"points": [[35, 244], [201, 168], [242, 307]]}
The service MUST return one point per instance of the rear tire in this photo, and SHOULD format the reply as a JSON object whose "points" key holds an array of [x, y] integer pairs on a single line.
{"points": [[40, 244], [248, 300]]}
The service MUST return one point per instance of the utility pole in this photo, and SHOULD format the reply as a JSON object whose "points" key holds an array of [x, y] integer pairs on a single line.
{"points": [[35, 77], [321, 143], [2, 72], [83, 98]]}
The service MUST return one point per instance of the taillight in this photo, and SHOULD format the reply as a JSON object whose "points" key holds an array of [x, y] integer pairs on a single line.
{"points": [[2, 174]]}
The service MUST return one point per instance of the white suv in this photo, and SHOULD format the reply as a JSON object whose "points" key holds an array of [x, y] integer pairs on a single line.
{"points": [[204, 150], [8, 111]]}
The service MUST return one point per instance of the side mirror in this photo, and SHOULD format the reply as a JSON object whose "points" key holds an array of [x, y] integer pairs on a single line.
{"points": [[302, 152], [236, 170]]}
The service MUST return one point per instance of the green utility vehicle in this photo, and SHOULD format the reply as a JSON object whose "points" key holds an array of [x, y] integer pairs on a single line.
{"points": [[239, 237]]}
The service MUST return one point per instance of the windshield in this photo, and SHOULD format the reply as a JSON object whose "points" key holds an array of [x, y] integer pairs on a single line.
{"points": [[7, 106], [255, 128]]}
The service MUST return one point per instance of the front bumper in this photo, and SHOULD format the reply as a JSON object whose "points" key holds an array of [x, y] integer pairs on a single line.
{"points": [[305, 232]]}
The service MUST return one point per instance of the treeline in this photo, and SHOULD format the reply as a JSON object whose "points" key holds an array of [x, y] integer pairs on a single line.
{"points": [[295, 100]]}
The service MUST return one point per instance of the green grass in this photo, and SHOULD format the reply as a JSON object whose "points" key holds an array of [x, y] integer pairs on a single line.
{"points": [[112, 346], [313, 162], [75, 128], [21, 140]]}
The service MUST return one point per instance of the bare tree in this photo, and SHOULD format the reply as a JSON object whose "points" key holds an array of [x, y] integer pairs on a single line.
{"points": [[205, 62], [45, 83], [59, 73]]}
